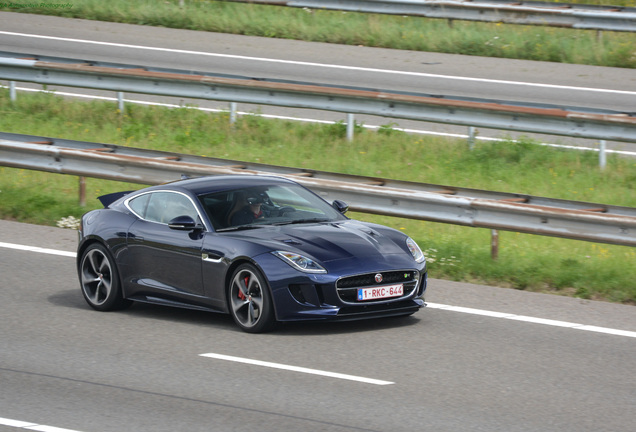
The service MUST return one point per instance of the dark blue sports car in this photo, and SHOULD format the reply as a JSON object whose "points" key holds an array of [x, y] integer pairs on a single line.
{"points": [[264, 249]]}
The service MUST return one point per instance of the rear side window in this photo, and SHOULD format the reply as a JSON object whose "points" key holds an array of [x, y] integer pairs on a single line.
{"points": [[139, 205], [162, 206]]}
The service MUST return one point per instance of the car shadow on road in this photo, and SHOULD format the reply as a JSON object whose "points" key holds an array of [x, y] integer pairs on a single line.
{"points": [[69, 298], [316, 328], [73, 299]]}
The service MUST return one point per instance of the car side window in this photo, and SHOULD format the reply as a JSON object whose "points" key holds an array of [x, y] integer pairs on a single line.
{"points": [[162, 207], [139, 205]]}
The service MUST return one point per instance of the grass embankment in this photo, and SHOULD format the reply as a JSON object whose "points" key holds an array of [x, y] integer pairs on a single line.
{"points": [[529, 262], [374, 30]]}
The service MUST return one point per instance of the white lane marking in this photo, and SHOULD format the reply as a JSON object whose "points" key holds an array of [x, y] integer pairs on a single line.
{"points": [[550, 322], [296, 369], [323, 65], [308, 120], [31, 426], [471, 311], [38, 249]]}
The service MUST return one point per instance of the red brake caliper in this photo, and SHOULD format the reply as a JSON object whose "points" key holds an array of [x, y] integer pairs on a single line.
{"points": [[240, 293]]}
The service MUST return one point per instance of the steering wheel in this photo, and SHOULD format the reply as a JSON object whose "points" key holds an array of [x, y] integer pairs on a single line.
{"points": [[286, 209]]}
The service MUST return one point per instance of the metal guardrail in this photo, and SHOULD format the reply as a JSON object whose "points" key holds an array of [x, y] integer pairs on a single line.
{"points": [[461, 206], [471, 112], [587, 17]]}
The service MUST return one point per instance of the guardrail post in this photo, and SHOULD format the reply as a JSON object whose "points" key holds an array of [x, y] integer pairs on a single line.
{"points": [[471, 137], [602, 156], [82, 191], [350, 126], [120, 102], [232, 112], [12, 93], [494, 244]]}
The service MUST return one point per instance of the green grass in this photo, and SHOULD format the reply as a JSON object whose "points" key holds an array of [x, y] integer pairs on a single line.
{"points": [[399, 32], [526, 262]]}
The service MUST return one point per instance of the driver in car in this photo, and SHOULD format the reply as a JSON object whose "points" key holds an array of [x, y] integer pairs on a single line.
{"points": [[250, 212]]}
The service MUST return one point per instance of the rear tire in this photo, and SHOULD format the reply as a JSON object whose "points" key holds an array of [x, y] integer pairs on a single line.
{"points": [[250, 302], [99, 280]]}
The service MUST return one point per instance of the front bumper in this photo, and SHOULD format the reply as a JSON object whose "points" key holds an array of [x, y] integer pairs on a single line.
{"points": [[299, 296]]}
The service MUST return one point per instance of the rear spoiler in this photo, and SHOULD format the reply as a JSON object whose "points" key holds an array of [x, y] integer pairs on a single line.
{"points": [[107, 200]]}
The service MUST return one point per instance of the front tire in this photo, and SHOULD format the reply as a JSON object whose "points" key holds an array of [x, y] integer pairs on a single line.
{"points": [[250, 302], [99, 280]]}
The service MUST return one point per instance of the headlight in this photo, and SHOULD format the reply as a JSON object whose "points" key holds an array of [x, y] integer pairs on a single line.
{"points": [[300, 262], [415, 250]]}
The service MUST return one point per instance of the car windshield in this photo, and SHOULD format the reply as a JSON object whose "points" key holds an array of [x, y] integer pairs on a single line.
{"points": [[266, 205]]}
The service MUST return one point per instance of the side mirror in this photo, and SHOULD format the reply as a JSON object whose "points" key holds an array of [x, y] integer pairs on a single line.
{"points": [[341, 206], [182, 223]]}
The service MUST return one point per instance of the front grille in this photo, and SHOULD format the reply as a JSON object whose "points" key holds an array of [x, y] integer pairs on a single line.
{"points": [[347, 287]]}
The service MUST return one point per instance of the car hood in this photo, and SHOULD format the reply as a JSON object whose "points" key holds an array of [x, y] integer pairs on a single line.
{"points": [[331, 241]]}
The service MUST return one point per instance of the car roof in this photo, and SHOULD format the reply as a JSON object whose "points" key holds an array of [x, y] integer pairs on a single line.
{"points": [[204, 185]]}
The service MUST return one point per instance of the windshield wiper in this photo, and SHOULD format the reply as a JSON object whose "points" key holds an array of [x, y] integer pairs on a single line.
{"points": [[300, 221], [241, 227]]}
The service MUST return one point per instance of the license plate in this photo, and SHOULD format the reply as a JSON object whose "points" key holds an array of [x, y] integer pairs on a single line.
{"points": [[380, 292]]}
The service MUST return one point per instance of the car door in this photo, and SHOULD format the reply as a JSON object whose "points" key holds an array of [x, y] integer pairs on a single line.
{"points": [[162, 260]]}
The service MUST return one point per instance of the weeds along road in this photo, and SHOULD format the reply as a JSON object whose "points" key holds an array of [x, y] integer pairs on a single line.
{"points": [[421, 72], [150, 368]]}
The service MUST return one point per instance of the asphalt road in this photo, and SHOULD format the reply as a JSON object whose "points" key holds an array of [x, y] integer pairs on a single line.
{"points": [[542, 82], [63, 365], [429, 73]]}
